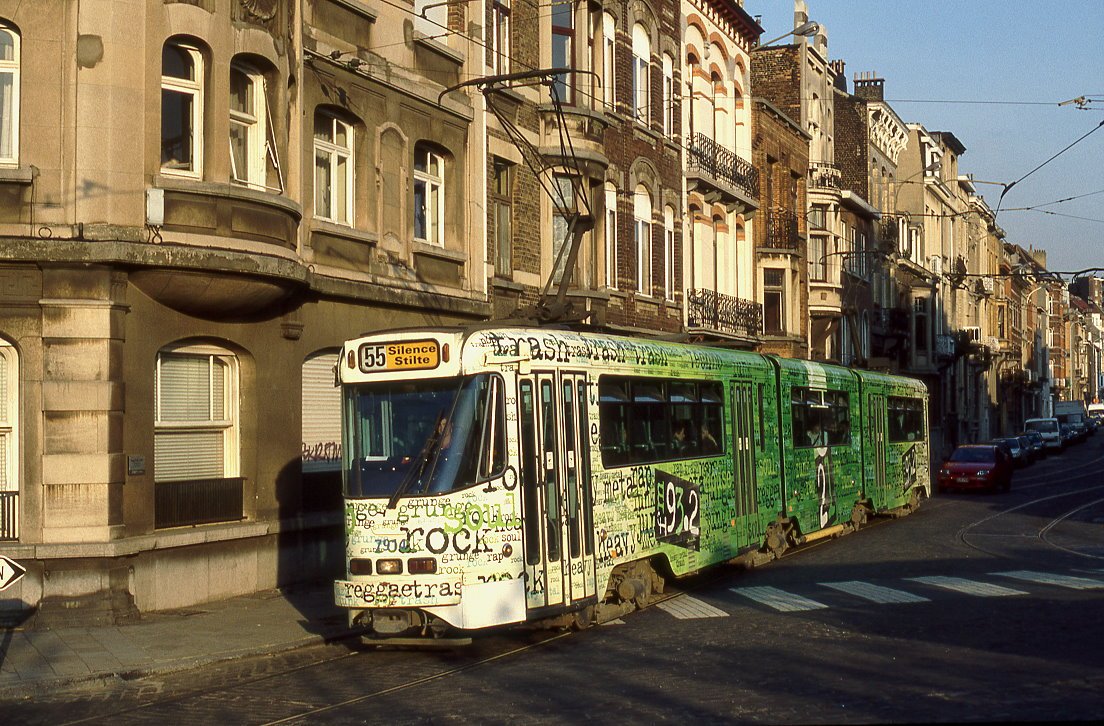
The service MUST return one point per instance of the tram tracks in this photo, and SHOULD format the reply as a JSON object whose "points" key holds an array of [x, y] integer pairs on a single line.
{"points": [[998, 527]]}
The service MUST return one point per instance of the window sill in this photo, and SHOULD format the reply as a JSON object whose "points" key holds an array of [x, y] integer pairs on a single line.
{"points": [[505, 283], [17, 175], [334, 229], [438, 47], [359, 8], [428, 250]]}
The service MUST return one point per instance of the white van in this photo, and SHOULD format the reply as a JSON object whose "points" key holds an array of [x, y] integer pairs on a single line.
{"points": [[1048, 429]]}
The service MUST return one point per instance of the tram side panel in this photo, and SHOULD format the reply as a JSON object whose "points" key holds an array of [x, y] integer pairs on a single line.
{"points": [[821, 450], [895, 440]]}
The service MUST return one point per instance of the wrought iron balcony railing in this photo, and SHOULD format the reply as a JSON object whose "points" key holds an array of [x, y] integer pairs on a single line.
{"points": [[707, 155], [725, 313], [782, 229], [825, 175]]}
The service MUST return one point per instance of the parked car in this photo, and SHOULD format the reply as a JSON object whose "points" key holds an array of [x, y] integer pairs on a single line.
{"points": [[1048, 429], [1014, 448], [977, 466], [1066, 433], [1037, 443]]}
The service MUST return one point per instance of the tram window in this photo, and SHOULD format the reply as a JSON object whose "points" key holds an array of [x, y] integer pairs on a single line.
{"points": [[529, 469], [650, 434], [820, 418], [551, 486], [645, 420], [571, 469], [584, 470], [492, 458], [906, 419], [711, 427], [613, 409]]}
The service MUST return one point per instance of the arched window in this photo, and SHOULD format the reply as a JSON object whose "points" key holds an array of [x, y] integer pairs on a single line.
{"points": [[195, 432], [9, 442], [181, 109], [9, 95], [668, 94], [609, 36], [429, 194], [642, 232], [196, 437], [611, 235], [669, 252], [500, 37], [248, 126], [333, 168], [642, 53], [563, 47]]}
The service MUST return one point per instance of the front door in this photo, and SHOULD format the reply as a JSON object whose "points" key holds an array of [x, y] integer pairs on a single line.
{"points": [[556, 496]]}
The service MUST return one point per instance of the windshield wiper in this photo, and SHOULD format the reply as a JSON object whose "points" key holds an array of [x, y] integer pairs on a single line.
{"points": [[423, 459]]}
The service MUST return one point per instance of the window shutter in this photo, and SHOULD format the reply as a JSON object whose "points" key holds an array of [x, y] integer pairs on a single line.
{"points": [[321, 415], [185, 388], [182, 455]]}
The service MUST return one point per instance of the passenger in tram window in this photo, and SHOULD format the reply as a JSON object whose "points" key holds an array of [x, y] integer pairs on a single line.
{"points": [[681, 444], [709, 443], [815, 433]]}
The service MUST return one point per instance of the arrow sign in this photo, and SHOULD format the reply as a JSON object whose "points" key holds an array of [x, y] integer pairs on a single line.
{"points": [[10, 572]]}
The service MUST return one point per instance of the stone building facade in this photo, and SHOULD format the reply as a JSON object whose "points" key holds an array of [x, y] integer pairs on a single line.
{"points": [[202, 201]]}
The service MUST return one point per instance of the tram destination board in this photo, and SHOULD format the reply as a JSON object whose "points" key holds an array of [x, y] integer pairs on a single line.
{"points": [[407, 355]]}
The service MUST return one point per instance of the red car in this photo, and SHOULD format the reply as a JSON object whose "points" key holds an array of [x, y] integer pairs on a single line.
{"points": [[977, 467]]}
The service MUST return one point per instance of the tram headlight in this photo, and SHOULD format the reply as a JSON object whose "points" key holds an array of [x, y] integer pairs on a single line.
{"points": [[422, 566], [389, 567], [358, 566]]}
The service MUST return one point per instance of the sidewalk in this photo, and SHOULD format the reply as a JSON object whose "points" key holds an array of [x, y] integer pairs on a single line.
{"points": [[39, 661]]}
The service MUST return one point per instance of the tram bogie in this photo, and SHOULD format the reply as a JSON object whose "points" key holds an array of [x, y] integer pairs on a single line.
{"points": [[496, 477]]}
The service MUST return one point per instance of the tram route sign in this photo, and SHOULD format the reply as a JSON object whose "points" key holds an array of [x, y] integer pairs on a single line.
{"points": [[10, 572]]}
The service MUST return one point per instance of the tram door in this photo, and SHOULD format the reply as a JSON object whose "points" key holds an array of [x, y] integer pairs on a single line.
{"points": [[556, 498], [877, 417], [743, 446]]}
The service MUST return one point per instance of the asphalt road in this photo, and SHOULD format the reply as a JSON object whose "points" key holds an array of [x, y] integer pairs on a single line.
{"points": [[976, 608]]}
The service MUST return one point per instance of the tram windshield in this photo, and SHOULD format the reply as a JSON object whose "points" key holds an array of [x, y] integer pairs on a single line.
{"points": [[422, 437]]}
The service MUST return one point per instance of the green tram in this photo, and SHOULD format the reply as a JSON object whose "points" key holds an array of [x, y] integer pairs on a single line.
{"points": [[509, 475]]}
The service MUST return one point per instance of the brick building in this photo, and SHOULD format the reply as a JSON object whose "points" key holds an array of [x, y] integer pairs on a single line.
{"points": [[621, 170], [781, 149]]}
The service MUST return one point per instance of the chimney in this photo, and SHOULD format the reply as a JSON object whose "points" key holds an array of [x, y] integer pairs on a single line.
{"points": [[869, 86], [838, 66]]}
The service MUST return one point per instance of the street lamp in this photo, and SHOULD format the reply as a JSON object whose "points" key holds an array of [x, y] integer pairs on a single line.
{"points": [[805, 30]]}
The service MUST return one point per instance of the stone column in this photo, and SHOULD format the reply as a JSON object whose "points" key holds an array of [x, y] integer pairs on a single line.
{"points": [[83, 464]]}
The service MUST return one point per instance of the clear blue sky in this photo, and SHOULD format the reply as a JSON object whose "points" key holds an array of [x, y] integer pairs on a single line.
{"points": [[1030, 53]]}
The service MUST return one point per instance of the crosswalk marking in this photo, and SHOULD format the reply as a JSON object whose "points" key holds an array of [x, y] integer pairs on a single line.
{"points": [[778, 599], [968, 587], [874, 593], [1045, 578], [689, 608]]}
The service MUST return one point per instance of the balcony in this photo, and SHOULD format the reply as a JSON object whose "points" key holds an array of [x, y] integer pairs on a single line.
{"points": [[782, 230], [825, 175], [714, 311], [712, 164]]}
